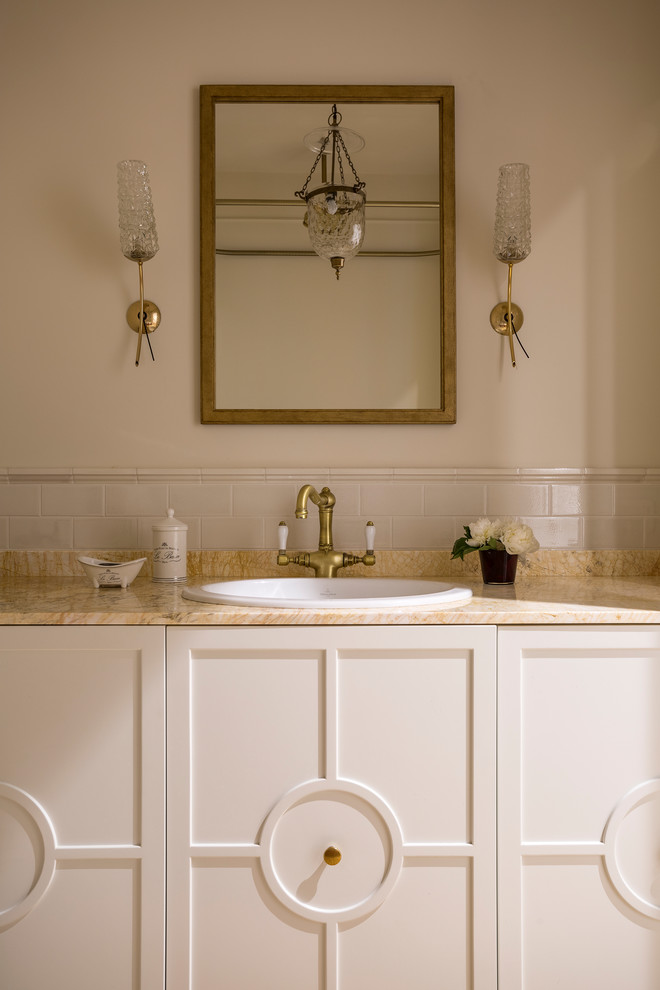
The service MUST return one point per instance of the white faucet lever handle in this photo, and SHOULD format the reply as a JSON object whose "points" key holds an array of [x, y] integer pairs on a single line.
{"points": [[370, 534], [282, 535]]}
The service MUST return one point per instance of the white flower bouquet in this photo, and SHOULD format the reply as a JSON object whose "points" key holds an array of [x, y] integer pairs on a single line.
{"points": [[509, 534]]}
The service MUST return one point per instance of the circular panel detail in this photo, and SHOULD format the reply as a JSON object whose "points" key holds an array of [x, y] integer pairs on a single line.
{"points": [[632, 848], [27, 854], [305, 823]]}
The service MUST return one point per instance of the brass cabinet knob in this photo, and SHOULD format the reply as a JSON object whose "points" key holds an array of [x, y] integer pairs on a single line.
{"points": [[332, 856]]}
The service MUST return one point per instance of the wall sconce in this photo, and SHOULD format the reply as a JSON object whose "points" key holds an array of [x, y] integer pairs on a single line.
{"points": [[139, 241], [335, 211], [512, 242]]}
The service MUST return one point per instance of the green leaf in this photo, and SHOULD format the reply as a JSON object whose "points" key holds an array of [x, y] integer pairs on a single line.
{"points": [[461, 546]]}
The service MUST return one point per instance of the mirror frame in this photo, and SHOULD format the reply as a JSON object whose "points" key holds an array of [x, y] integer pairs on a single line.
{"points": [[443, 96]]}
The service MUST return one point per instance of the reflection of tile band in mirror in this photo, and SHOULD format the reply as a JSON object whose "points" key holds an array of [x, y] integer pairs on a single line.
{"points": [[311, 254], [266, 205]]}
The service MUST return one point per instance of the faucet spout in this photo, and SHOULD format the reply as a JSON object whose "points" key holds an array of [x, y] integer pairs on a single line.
{"points": [[326, 561], [325, 500]]}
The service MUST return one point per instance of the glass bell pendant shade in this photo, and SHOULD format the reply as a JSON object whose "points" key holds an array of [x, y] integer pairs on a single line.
{"points": [[335, 217], [512, 240], [137, 224]]}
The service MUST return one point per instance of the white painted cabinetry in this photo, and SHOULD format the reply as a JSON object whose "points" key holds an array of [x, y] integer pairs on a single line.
{"points": [[333, 820], [81, 808], [375, 744], [579, 808]]}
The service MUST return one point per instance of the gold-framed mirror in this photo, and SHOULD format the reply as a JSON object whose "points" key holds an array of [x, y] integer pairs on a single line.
{"points": [[282, 339]]}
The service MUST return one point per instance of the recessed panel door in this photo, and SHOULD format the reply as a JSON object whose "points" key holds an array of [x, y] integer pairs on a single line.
{"points": [[579, 808], [331, 799], [82, 788]]}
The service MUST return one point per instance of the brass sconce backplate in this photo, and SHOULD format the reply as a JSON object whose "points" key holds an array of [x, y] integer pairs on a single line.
{"points": [[151, 316], [499, 321]]}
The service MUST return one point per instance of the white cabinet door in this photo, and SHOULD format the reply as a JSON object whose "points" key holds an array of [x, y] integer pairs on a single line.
{"points": [[82, 808], [331, 796], [579, 808]]}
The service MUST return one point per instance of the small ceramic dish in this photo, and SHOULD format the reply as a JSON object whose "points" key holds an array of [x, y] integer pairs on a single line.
{"points": [[108, 574]]}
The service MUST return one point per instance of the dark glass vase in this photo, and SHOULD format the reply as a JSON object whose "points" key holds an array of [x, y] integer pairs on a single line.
{"points": [[498, 566]]}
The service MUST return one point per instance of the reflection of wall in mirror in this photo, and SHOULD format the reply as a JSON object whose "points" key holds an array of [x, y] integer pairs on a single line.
{"points": [[291, 336], [288, 334]]}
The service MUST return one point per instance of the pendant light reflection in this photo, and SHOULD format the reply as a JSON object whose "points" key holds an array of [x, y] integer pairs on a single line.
{"points": [[512, 242], [139, 241], [335, 215]]}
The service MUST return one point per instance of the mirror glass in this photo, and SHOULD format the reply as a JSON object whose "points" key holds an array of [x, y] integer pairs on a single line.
{"points": [[283, 339]]}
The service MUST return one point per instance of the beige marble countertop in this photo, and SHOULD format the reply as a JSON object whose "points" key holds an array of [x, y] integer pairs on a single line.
{"points": [[534, 600]]}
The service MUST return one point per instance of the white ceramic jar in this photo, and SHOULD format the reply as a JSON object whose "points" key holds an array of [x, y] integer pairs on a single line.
{"points": [[170, 549]]}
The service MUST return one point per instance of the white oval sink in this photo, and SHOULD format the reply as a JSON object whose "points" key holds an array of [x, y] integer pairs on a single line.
{"points": [[310, 592]]}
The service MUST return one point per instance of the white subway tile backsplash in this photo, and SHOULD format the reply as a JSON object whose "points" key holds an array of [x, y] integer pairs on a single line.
{"points": [[20, 500], [72, 500], [232, 534], [194, 532], [395, 500], [200, 500], [582, 500], [613, 534], [422, 533], [637, 500], [261, 500], [235, 508], [103, 533], [37, 533], [459, 500], [652, 534], [516, 500], [557, 532], [137, 500]]}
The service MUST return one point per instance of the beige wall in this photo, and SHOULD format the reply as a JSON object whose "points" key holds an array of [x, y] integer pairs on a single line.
{"points": [[573, 88]]}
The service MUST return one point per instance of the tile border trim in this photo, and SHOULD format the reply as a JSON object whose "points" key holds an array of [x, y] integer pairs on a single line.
{"points": [[353, 475]]}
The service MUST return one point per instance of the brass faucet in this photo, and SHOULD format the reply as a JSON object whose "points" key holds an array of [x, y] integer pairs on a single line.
{"points": [[326, 561]]}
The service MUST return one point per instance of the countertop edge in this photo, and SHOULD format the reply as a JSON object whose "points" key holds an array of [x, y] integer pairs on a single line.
{"points": [[228, 616], [57, 601]]}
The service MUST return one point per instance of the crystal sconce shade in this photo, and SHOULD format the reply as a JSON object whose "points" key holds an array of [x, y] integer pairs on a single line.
{"points": [[335, 210], [512, 238], [139, 241], [512, 242], [137, 224]]}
